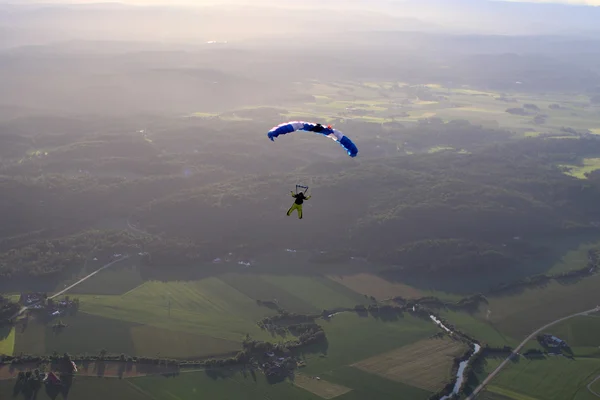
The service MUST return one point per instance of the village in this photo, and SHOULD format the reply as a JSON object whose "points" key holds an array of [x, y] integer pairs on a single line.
{"points": [[40, 304]]}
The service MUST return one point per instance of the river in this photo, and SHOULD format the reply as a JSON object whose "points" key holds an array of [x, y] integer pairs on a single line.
{"points": [[460, 374]]}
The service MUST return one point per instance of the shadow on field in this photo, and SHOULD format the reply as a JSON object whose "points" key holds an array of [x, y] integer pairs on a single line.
{"points": [[219, 373], [319, 348], [5, 332]]}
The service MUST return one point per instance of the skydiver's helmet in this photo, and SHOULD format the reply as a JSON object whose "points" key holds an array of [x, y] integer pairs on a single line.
{"points": [[301, 194]]}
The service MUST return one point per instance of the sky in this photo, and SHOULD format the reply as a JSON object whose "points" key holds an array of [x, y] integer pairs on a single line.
{"points": [[205, 2]]}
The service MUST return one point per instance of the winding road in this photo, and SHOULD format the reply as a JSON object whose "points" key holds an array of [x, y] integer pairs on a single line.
{"points": [[589, 387], [85, 278], [515, 352]]}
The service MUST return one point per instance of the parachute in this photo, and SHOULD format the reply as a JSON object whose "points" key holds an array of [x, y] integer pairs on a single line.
{"points": [[328, 131]]}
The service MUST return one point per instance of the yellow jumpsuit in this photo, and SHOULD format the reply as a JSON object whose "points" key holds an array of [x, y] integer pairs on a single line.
{"points": [[297, 206]]}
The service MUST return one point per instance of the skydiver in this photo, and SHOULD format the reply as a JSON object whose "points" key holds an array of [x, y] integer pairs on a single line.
{"points": [[297, 203]]}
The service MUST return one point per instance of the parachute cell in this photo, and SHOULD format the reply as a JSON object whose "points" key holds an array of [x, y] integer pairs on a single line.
{"points": [[328, 131]]}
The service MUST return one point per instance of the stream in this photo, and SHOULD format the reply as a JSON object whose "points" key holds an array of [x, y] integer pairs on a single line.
{"points": [[461, 367]]}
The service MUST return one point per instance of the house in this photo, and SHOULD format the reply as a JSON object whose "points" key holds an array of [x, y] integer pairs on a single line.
{"points": [[553, 341], [557, 341]]}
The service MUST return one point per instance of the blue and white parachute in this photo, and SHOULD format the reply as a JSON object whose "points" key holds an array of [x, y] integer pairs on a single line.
{"points": [[328, 131]]}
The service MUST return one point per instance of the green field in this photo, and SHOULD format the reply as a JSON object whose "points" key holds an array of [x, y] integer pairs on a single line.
{"points": [[223, 385], [371, 386], [7, 340], [85, 334], [320, 293], [581, 333], [352, 338], [116, 280], [518, 315], [173, 344], [209, 319], [571, 252], [587, 165], [226, 385], [552, 378], [596, 386], [258, 287], [478, 328], [186, 319], [83, 388], [380, 102]]}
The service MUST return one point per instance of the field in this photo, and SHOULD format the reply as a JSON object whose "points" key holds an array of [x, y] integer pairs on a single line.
{"points": [[83, 388], [552, 378], [100, 369], [174, 344], [257, 288], [352, 338], [380, 102], [581, 333], [212, 316], [426, 364], [208, 307], [227, 385], [381, 289], [479, 328], [370, 386], [573, 252], [320, 387], [85, 334], [116, 280], [223, 385], [595, 386], [518, 315], [321, 293], [7, 340], [587, 165], [372, 285]]}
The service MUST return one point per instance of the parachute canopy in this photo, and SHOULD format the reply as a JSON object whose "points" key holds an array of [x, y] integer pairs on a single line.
{"points": [[328, 131]]}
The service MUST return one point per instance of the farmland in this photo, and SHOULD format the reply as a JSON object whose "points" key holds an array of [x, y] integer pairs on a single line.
{"points": [[380, 102], [320, 387], [551, 378], [257, 288], [596, 386], [321, 293], [371, 386], [220, 385], [7, 340], [350, 383], [425, 364], [85, 388], [351, 338], [520, 314], [85, 334], [581, 333], [372, 285], [175, 344], [479, 328], [586, 166]]}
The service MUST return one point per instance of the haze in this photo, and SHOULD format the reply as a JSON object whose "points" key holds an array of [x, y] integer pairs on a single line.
{"points": [[149, 227]]}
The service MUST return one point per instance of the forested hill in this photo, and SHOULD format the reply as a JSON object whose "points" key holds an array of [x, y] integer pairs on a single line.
{"points": [[210, 186], [424, 212]]}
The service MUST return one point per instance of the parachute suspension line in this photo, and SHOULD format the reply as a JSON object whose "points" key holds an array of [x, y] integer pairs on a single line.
{"points": [[301, 187]]}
